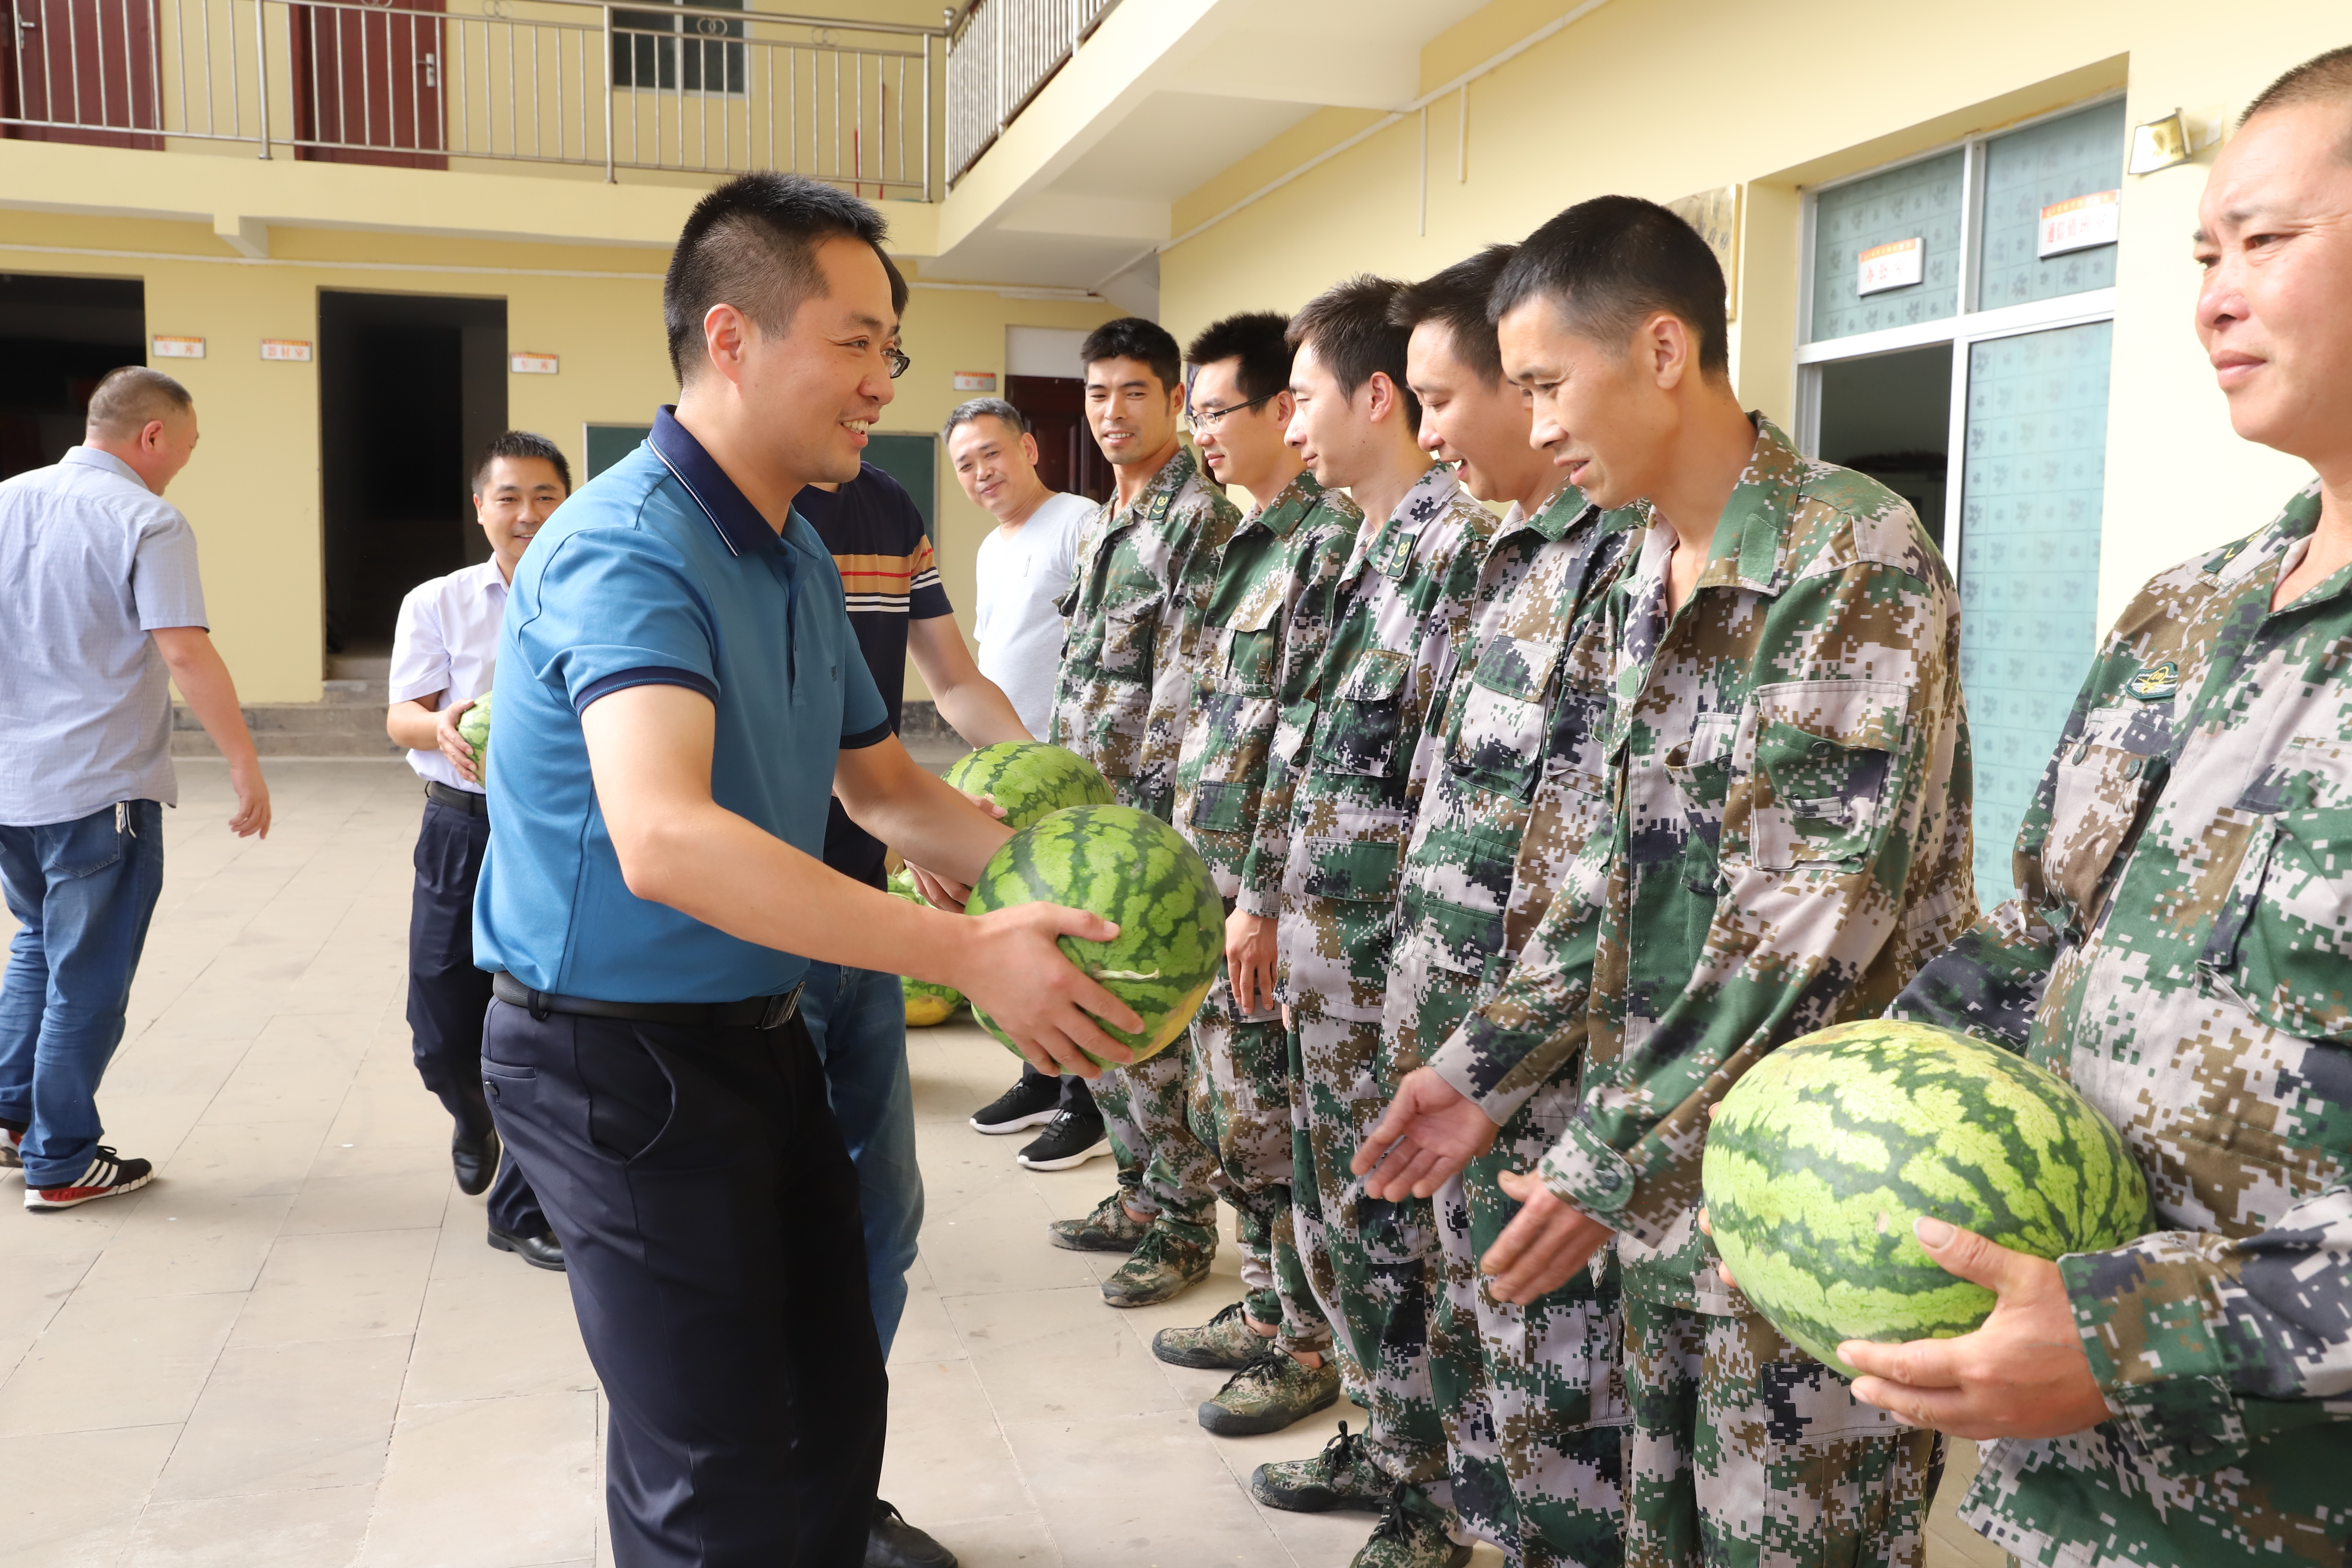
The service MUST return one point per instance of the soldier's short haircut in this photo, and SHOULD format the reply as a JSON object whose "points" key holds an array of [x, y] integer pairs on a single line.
{"points": [[753, 244], [2323, 79], [1354, 335], [1456, 299], [1611, 263], [122, 404], [985, 408], [1132, 337], [1259, 340], [522, 443]]}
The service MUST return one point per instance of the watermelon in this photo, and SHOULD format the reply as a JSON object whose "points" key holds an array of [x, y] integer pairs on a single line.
{"points": [[474, 729], [1028, 779], [1128, 866], [926, 1003], [1824, 1152]]}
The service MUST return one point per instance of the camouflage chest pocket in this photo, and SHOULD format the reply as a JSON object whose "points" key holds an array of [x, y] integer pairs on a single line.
{"points": [[1132, 602], [1820, 792], [2102, 784], [2284, 932], [1358, 731], [1498, 740], [1253, 648]]}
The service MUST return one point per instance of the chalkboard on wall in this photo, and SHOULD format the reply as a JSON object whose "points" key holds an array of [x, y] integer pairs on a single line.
{"points": [[912, 460]]}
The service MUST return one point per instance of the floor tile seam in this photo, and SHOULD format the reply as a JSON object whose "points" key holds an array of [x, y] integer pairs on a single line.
{"points": [[996, 1419], [8, 1369]]}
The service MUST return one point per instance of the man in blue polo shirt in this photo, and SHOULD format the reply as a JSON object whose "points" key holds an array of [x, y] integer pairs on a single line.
{"points": [[678, 696]]}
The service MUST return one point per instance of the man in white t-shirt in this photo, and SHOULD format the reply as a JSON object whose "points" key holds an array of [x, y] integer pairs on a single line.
{"points": [[1024, 565], [444, 649]]}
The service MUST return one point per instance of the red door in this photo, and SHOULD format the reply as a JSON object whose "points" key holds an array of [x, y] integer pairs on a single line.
{"points": [[1067, 458], [367, 83], [87, 67]]}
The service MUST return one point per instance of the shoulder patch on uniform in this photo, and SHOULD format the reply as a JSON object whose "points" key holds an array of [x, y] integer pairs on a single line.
{"points": [[2154, 681]]}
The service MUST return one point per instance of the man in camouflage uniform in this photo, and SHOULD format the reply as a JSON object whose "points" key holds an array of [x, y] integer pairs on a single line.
{"points": [[1791, 840], [1268, 616], [1146, 564], [2181, 949], [1534, 1409], [1335, 818]]}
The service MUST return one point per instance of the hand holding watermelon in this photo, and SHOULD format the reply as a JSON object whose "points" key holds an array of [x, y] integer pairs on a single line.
{"points": [[1025, 990]]}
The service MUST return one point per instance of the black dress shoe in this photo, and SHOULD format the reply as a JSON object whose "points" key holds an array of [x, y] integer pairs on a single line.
{"points": [[895, 1544], [539, 1251], [475, 1161]]}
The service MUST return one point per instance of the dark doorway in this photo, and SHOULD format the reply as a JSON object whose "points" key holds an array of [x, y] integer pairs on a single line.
{"points": [[86, 68], [411, 386], [1067, 458], [58, 337], [1891, 417], [367, 84]]}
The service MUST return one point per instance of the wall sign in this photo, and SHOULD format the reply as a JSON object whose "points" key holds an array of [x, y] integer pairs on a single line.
{"points": [[976, 381], [163, 345], [292, 350], [2080, 222], [1898, 264], [534, 364]]}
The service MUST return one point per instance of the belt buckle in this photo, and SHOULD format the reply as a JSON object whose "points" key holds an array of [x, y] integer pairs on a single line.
{"points": [[779, 1010]]}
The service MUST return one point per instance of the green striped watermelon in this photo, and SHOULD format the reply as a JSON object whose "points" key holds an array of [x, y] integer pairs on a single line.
{"points": [[1131, 867], [926, 1003], [474, 729], [1028, 779], [1822, 1155]]}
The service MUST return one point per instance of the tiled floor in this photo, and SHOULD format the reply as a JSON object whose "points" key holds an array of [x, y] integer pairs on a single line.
{"points": [[294, 1350]]}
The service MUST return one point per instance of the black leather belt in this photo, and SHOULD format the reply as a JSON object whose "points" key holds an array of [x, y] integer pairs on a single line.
{"points": [[752, 1013], [456, 799]]}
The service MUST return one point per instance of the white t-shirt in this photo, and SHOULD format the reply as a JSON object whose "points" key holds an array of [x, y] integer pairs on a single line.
{"points": [[446, 640], [1019, 575]]}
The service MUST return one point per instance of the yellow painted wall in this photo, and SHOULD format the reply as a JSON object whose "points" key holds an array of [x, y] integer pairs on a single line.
{"points": [[1664, 98]]}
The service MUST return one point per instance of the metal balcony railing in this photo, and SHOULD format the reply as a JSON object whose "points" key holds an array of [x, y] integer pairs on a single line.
{"points": [[709, 88], [999, 52]]}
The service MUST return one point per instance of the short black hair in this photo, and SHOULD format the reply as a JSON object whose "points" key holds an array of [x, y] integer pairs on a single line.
{"points": [[1260, 340], [753, 244], [1456, 299], [1132, 337], [964, 412], [1350, 327], [1611, 263], [522, 443], [898, 284], [2322, 79]]}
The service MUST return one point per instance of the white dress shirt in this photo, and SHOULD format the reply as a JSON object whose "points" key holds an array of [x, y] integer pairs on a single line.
{"points": [[447, 641]]}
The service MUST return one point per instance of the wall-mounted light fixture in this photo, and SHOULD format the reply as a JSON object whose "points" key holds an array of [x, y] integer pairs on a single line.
{"points": [[2159, 144]]}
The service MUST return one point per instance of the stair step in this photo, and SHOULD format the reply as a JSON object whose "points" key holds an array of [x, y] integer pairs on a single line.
{"points": [[333, 729]]}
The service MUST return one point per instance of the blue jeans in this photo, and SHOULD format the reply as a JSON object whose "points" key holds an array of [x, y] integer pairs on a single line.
{"points": [[82, 893], [857, 1020]]}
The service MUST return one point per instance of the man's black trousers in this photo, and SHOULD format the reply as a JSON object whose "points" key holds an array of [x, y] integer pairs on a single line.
{"points": [[707, 1210], [447, 995]]}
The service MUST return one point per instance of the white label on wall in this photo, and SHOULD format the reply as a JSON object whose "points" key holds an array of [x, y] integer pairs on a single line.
{"points": [[976, 381], [167, 346], [291, 349], [2080, 222], [534, 364], [1898, 264]]}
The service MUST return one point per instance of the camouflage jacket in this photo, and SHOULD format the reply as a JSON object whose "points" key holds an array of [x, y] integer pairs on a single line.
{"points": [[1268, 616], [1134, 609], [1519, 790], [1789, 789], [1350, 762], [2181, 948]]}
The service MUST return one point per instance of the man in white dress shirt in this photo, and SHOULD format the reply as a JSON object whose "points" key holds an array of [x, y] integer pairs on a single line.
{"points": [[444, 653]]}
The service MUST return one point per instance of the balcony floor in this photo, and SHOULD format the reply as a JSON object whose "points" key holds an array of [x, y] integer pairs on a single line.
{"points": [[294, 1351]]}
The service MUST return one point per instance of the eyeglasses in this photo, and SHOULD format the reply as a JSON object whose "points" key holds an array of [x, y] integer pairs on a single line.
{"points": [[897, 361], [1201, 420]]}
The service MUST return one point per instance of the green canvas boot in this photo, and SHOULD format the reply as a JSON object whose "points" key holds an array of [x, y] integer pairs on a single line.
{"points": [[1342, 1477], [1224, 1343], [1165, 1264], [1410, 1537], [1273, 1391], [1110, 1229]]}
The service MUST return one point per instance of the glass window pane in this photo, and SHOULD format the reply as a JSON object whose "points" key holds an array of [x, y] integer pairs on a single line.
{"points": [[1919, 201], [2029, 170], [2031, 480]]}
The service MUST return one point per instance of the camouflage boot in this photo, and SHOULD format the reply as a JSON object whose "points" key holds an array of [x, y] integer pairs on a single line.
{"points": [[1110, 1229], [1342, 1475], [1222, 1343], [1164, 1265], [1274, 1390], [1410, 1537]]}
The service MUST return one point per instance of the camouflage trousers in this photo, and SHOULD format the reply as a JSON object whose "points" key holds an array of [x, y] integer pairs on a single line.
{"points": [[1163, 1169], [1747, 1453], [1241, 1111]]}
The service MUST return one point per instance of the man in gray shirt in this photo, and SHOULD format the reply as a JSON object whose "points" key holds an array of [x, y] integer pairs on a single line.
{"points": [[100, 594]]}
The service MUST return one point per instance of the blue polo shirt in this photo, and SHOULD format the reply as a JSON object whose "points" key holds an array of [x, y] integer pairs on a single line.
{"points": [[657, 570]]}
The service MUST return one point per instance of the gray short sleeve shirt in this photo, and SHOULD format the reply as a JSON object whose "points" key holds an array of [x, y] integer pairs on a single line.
{"points": [[91, 562]]}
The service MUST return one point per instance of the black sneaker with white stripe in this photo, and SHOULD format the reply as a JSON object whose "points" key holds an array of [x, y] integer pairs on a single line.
{"points": [[109, 1174], [1073, 1138], [1032, 1103]]}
